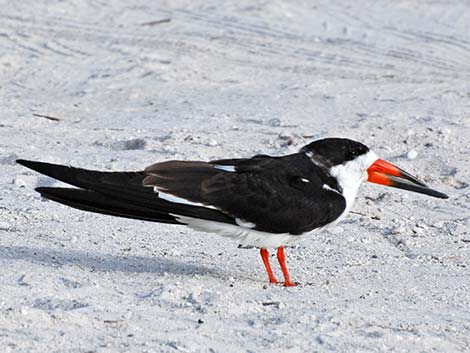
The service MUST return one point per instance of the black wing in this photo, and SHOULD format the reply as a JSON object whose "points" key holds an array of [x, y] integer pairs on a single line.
{"points": [[116, 193], [277, 194]]}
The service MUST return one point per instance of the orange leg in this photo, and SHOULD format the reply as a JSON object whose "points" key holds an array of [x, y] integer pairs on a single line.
{"points": [[265, 256], [282, 261]]}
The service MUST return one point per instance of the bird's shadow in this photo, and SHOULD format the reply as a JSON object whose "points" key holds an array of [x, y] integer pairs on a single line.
{"points": [[99, 262]]}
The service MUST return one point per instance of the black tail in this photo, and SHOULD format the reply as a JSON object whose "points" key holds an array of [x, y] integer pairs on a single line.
{"points": [[92, 201], [119, 194], [110, 183]]}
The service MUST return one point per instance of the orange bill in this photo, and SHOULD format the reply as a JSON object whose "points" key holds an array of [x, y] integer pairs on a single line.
{"points": [[385, 173]]}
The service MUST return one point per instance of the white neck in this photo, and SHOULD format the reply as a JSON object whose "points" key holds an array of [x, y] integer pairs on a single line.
{"points": [[350, 176]]}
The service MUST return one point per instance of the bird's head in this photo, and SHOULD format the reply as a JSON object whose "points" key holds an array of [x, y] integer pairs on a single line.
{"points": [[351, 163]]}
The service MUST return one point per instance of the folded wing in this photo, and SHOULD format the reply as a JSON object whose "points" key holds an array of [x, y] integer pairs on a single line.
{"points": [[269, 194], [276, 195]]}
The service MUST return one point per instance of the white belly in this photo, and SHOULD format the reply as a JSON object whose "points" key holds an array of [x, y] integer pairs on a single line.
{"points": [[245, 236]]}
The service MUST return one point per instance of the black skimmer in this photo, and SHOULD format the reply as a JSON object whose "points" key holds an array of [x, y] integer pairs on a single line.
{"points": [[263, 201]]}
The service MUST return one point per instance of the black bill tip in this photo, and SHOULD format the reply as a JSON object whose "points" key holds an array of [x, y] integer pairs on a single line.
{"points": [[419, 188]]}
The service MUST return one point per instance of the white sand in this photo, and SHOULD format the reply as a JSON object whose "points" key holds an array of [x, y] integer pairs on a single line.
{"points": [[225, 80]]}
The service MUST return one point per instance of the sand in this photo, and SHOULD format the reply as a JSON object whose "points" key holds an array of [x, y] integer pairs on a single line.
{"points": [[117, 86]]}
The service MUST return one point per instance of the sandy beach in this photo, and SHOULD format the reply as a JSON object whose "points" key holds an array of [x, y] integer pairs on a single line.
{"points": [[119, 85]]}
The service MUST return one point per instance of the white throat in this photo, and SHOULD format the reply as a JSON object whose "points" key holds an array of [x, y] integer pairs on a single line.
{"points": [[350, 176]]}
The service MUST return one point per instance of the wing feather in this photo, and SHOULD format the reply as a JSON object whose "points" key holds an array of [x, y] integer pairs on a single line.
{"points": [[277, 194]]}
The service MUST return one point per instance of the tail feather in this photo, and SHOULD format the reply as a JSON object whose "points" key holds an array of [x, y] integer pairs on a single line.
{"points": [[109, 182], [122, 185], [92, 201]]}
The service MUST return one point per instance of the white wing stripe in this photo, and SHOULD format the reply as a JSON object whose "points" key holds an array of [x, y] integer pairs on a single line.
{"points": [[225, 168], [329, 188], [180, 200]]}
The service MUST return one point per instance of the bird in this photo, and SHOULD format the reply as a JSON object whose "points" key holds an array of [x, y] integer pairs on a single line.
{"points": [[263, 201]]}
